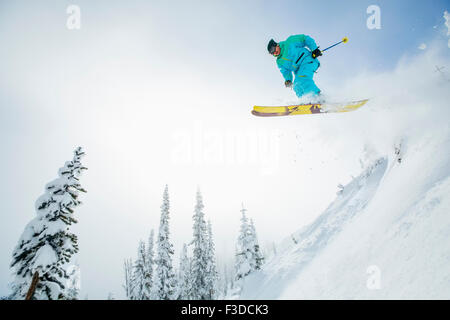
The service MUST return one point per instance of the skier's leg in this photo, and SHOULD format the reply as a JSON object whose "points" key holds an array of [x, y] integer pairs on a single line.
{"points": [[304, 83]]}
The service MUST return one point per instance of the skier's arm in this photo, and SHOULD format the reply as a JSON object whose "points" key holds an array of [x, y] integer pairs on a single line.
{"points": [[310, 43], [306, 41], [287, 74]]}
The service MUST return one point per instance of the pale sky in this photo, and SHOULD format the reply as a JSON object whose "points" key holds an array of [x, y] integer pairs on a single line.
{"points": [[160, 93]]}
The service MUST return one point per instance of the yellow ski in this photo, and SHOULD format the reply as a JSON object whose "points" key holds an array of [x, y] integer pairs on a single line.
{"points": [[306, 109]]}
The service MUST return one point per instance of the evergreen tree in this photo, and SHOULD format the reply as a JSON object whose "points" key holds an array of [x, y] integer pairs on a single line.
{"points": [[225, 281], [165, 283], [243, 248], [211, 268], [128, 286], [73, 287], [257, 254], [150, 263], [184, 276], [47, 243], [200, 251], [140, 282], [248, 254]]}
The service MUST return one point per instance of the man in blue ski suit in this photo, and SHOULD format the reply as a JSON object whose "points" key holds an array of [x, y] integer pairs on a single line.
{"points": [[293, 57]]}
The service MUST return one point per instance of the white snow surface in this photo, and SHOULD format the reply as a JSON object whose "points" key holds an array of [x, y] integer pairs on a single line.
{"points": [[390, 226]]}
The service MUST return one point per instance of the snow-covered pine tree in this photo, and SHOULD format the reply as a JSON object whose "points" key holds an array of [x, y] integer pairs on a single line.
{"points": [[223, 283], [165, 283], [73, 287], [258, 258], [140, 281], [200, 251], [150, 264], [128, 286], [243, 249], [228, 279], [248, 254], [212, 276], [47, 243], [184, 276]]}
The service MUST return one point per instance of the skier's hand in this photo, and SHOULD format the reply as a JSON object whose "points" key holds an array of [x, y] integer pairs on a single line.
{"points": [[288, 83], [316, 53]]}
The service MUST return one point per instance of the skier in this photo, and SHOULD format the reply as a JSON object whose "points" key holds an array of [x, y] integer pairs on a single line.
{"points": [[294, 57]]}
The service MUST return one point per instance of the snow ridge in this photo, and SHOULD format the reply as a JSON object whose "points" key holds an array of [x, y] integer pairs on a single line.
{"points": [[305, 245]]}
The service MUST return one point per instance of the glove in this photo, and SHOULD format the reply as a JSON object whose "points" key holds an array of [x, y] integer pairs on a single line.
{"points": [[288, 83], [316, 53]]}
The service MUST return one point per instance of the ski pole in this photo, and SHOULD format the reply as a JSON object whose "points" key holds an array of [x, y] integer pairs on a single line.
{"points": [[344, 40]]}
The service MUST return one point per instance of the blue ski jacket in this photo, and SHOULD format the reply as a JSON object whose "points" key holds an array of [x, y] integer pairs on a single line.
{"points": [[294, 53]]}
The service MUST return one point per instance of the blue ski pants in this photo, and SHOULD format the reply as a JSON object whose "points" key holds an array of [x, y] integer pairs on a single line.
{"points": [[303, 82]]}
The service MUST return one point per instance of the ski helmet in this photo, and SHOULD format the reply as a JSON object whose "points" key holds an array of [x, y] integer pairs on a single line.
{"points": [[271, 46]]}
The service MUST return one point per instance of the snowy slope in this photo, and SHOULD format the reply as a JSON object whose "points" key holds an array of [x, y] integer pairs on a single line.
{"points": [[387, 235], [381, 220]]}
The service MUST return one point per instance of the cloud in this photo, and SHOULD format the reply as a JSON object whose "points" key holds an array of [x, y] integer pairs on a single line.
{"points": [[447, 24]]}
